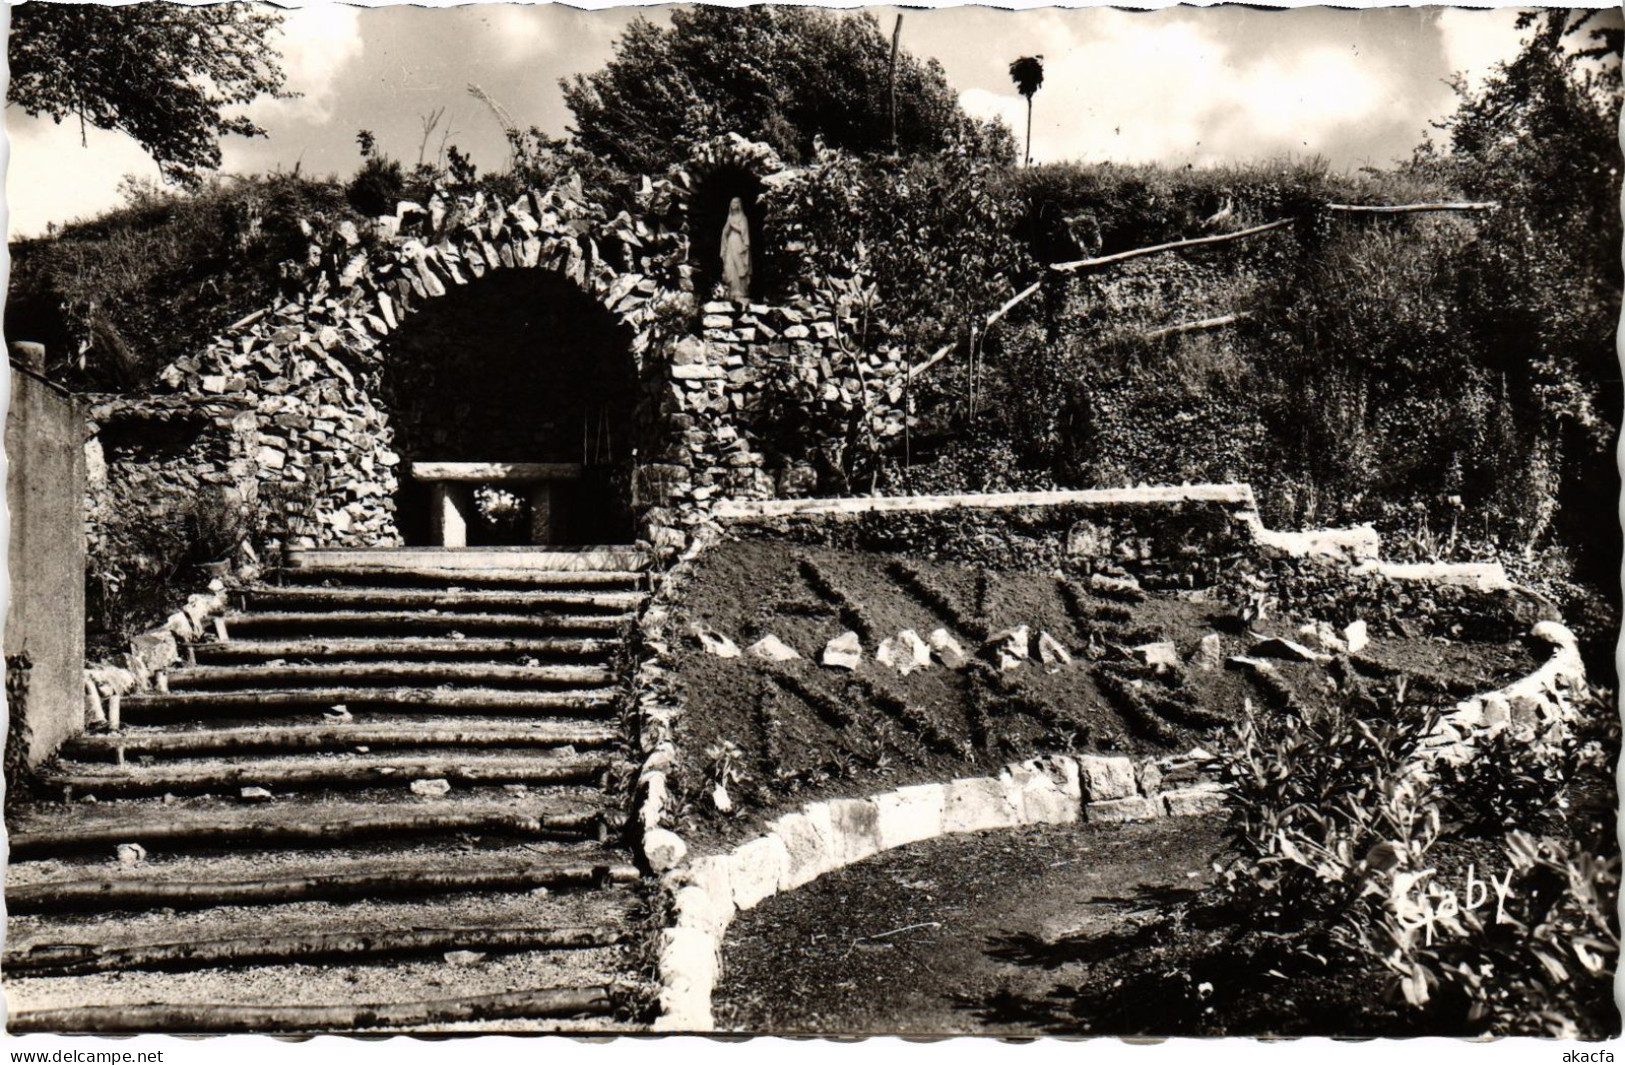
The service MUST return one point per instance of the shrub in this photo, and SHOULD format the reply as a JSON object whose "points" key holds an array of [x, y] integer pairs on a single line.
{"points": [[377, 187], [1510, 782], [138, 577], [1318, 804], [1533, 954]]}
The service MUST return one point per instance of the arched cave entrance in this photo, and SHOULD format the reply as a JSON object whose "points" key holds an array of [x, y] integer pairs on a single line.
{"points": [[708, 211], [520, 367]]}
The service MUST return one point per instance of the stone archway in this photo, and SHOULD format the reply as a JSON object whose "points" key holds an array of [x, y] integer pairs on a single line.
{"points": [[520, 367], [313, 367]]}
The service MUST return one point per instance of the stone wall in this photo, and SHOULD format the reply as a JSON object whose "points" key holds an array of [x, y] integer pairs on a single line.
{"points": [[311, 366], [768, 402], [822, 837], [45, 609], [154, 464], [1167, 537]]}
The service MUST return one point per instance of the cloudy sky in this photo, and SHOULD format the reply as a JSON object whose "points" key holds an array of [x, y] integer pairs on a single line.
{"points": [[1176, 85]]}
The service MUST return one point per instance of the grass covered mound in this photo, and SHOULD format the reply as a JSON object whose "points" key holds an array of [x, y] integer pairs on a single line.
{"points": [[775, 734]]}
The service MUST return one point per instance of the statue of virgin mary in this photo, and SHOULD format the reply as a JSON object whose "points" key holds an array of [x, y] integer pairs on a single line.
{"points": [[736, 252]]}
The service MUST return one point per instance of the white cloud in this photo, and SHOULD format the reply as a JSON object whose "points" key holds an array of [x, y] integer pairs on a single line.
{"points": [[1475, 40], [519, 32], [1141, 88], [51, 177], [316, 44]]}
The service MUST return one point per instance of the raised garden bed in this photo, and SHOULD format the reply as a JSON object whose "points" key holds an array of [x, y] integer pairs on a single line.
{"points": [[777, 734]]}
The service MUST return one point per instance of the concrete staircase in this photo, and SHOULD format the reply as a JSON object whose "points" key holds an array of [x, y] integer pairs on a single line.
{"points": [[267, 845]]}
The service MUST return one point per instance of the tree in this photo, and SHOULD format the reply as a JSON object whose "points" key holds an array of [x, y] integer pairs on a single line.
{"points": [[1541, 293], [1028, 74], [164, 73], [784, 75]]}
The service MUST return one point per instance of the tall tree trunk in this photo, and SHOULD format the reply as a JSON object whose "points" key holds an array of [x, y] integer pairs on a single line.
{"points": [[1029, 159], [891, 79]]}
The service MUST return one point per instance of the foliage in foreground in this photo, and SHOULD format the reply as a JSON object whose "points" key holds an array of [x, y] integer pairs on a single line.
{"points": [[1335, 838]]}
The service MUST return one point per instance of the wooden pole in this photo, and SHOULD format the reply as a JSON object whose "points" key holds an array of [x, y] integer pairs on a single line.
{"points": [[72, 959], [215, 1017], [1191, 327], [1194, 242], [1411, 208], [891, 78], [1175, 245]]}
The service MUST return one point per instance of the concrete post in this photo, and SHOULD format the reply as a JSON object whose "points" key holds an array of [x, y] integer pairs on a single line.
{"points": [[541, 513], [449, 505]]}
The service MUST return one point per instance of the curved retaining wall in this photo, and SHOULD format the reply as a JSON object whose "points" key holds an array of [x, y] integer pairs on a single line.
{"points": [[1535, 706], [820, 837], [825, 836]]}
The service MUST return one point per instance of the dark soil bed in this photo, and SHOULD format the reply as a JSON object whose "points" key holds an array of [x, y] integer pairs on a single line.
{"points": [[964, 934], [801, 731], [1111, 930]]}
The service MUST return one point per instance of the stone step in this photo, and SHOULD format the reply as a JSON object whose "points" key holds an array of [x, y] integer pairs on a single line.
{"points": [[397, 674], [463, 577], [291, 825], [403, 883], [156, 707], [404, 648], [299, 947], [190, 1017], [330, 772], [271, 598], [394, 622], [608, 557], [193, 743]]}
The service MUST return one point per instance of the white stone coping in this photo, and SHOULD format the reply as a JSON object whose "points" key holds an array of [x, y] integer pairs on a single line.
{"points": [[1240, 495], [822, 837], [1481, 576], [1359, 543], [825, 836], [152, 654], [1534, 704]]}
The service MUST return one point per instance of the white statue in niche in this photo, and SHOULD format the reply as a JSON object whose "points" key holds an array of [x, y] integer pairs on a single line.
{"points": [[736, 252]]}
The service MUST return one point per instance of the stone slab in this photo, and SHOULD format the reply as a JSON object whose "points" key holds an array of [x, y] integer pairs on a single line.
{"points": [[855, 830], [909, 815], [1192, 802], [805, 850], [757, 869], [1136, 808], [978, 803], [1105, 778]]}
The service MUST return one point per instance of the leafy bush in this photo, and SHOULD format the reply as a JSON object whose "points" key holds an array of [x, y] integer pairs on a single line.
{"points": [[1531, 952], [138, 578], [1335, 864], [377, 187], [1320, 804], [1511, 782]]}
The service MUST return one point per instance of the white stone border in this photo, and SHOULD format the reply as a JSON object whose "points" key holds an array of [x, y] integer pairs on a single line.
{"points": [[822, 837], [152, 654], [830, 835], [1238, 494], [1535, 704], [1359, 545]]}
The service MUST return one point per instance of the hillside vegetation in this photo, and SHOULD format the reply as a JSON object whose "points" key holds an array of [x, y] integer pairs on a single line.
{"points": [[1450, 377]]}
